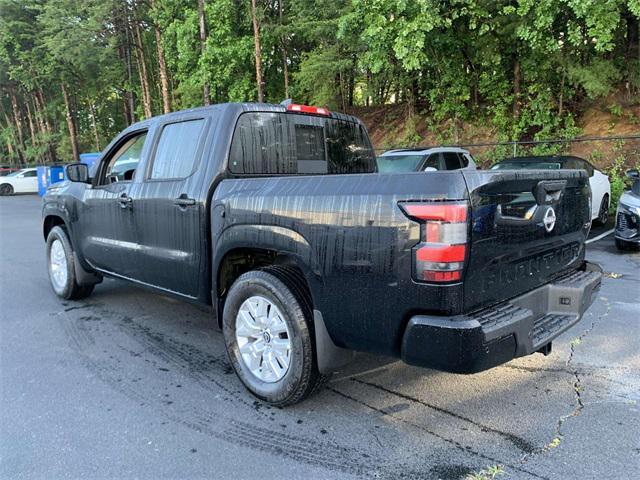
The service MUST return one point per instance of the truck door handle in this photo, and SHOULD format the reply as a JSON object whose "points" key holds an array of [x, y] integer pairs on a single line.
{"points": [[184, 201], [125, 201]]}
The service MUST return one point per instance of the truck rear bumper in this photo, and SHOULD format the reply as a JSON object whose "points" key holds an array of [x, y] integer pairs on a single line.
{"points": [[490, 337]]}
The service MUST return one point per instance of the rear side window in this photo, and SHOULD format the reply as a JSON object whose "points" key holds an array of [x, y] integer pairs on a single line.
{"points": [[30, 173], [288, 144], [177, 148], [575, 163], [451, 160], [433, 161], [399, 163]]}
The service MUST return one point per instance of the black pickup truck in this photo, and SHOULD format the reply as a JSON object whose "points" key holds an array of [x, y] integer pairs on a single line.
{"points": [[275, 216]]}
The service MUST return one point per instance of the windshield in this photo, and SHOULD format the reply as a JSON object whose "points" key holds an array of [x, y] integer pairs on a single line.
{"points": [[399, 163], [535, 165], [14, 174], [268, 143]]}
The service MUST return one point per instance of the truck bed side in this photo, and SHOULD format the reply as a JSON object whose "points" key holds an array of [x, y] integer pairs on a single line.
{"points": [[351, 239]]}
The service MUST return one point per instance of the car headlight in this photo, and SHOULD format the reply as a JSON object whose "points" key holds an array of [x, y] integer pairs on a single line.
{"points": [[629, 208]]}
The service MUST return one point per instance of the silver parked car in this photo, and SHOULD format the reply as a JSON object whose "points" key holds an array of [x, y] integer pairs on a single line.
{"points": [[425, 160]]}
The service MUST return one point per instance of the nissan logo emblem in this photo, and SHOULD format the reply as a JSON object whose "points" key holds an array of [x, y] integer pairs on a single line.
{"points": [[549, 219]]}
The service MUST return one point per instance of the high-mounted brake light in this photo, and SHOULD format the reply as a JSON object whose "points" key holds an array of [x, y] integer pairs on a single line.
{"points": [[294, 107], [440, 256]]}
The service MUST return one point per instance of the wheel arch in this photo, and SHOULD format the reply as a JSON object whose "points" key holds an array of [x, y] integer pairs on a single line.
{"points": [[84, 274], [245, 247], [239, 260], [277, 246], [2, 183], [53, 220]]}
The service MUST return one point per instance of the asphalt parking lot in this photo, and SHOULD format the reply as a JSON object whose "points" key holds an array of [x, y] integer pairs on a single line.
{"points": [[130, 384]]}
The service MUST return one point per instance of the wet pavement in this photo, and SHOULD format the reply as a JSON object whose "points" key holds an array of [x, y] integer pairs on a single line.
{"points": [[131, 384]]}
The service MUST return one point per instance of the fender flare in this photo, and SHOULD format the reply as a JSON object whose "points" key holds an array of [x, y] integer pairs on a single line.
{"points": [[83, 276], [266, 237]]}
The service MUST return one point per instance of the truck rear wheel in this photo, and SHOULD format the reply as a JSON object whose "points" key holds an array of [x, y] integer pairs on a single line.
{"points": [[62, 274], [268, 334]]}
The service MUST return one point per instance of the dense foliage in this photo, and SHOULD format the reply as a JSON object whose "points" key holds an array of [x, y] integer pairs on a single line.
{"points": [[75, 72]]}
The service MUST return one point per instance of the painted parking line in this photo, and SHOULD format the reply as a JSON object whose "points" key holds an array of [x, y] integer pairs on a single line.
{"points": [[366, 372], [602, 235]]}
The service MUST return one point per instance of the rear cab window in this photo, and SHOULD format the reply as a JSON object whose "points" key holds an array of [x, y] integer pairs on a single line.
{"points": [[274, 143]]}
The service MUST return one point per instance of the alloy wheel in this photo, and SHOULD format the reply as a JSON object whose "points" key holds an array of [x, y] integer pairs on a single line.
{"points": [[58, 265], [263, 339]]}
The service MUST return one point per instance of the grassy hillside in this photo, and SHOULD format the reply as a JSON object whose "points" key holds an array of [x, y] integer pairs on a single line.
{"points": [[394, 126]]}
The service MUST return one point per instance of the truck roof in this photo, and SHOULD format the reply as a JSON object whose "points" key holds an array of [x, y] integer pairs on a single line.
{"points": [[239, 108]]}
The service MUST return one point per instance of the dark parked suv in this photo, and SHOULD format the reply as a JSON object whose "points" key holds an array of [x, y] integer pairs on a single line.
{"points": [[276, 218], [628, 215]]}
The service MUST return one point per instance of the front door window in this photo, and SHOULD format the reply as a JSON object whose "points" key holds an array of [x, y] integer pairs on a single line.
{"points": [[122, 166]]}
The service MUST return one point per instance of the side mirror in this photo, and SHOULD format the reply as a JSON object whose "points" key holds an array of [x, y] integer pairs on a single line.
{"points": [[128, 174], [77, 172], [633, 174]]}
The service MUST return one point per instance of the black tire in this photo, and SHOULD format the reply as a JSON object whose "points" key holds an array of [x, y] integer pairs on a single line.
{"points": [[69, 289], [626, 246], [283, 287], [6, 189], [603, 213]]}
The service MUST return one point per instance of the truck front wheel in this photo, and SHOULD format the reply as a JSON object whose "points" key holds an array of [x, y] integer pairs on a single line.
{"points": [[268, 334], [62, 275]]}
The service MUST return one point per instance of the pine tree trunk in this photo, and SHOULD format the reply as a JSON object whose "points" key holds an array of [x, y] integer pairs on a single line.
{"points": [[10, 149], [43, 123], [516, 89], [164, 77], [561, 99], [12, 154], [285, 57], [94, 125], [162, 64], [351, 87], [142, 70], [32, 129], [203, 43], [256, 38], [17, 118], [70, 124], [129, 94], [38, 113]]}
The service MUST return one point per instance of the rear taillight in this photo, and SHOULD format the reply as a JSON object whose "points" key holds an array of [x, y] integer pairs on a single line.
{"points": [[440, 255]]}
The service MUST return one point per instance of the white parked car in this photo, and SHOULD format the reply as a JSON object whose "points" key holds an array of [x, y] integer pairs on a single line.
{"points": [[598, 181], [22, 181], [425, 160]]}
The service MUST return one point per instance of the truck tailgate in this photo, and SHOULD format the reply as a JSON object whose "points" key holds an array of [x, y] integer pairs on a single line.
{"points": [[527, 229]]}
